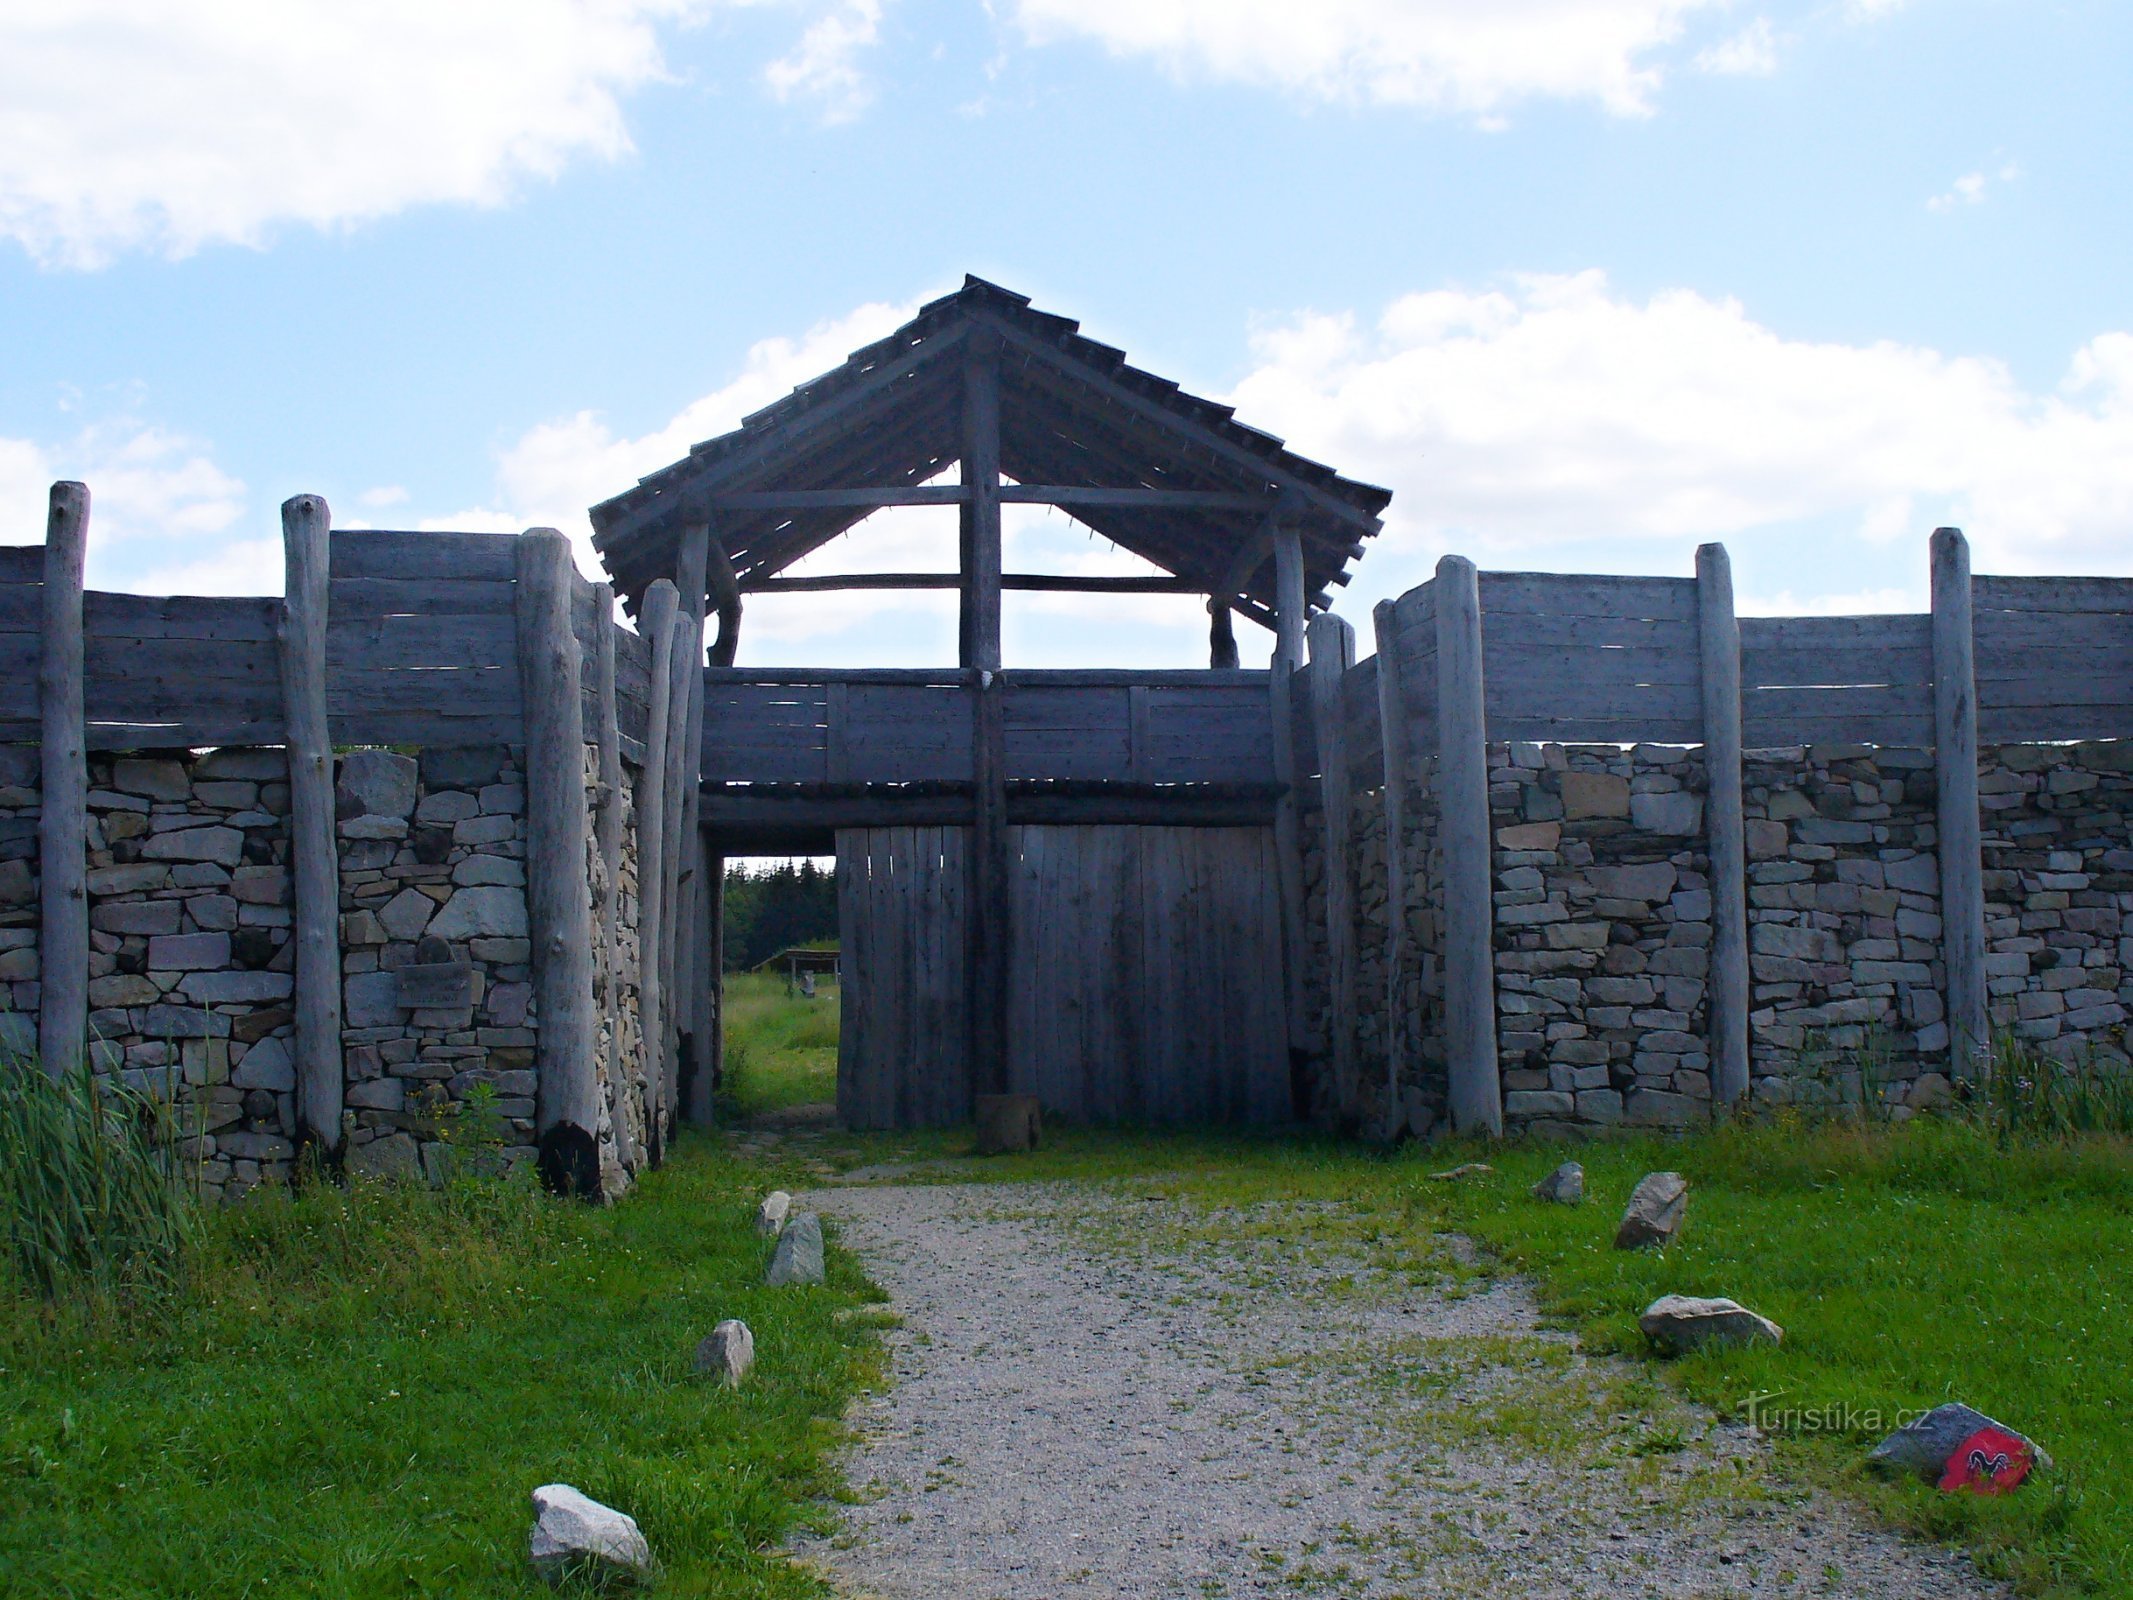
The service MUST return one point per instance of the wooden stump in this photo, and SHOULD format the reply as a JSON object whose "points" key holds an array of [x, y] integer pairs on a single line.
{"points": [[1008, 1122]]}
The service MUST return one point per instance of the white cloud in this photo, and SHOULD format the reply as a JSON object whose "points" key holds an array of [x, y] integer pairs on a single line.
{"points": [[824, 66], [554, 472], [1557, 415], [1752, 52], [1969, 189], [129, 124], [158, 507], [1442, 55]]}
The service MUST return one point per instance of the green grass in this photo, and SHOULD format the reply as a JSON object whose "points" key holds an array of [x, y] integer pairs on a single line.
{"points": [[356, 1393], [1908, 1265], [781, 1051]]}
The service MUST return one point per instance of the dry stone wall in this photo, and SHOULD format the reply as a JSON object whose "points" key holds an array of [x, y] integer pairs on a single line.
{"points": [[2058, 846], [1602, 928], [191, 972]]}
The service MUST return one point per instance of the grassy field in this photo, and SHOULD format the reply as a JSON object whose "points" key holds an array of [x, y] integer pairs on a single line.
{"points": [[1908, 1266], [781, 1051], [355, 1394]]}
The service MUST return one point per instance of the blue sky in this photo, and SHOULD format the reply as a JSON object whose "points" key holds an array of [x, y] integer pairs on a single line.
{"points": [[1584, 281]]}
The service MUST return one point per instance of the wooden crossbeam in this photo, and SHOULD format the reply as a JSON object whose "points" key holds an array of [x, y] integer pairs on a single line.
{"points": [[1037, 582], [954, 494]]}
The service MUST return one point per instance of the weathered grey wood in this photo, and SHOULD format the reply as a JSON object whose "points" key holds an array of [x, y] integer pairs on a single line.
{"points": [[1719, 658], [684, 769], [1962, 884], [607, 840], [558, 902], [1288, 829], [1332, 644], [1014, 494], [1134, 498], [725, 592], [2027, 725], [422, 597], [2060, 595], [653, 784], [1580, 595], [1033, 582], [1463, 833], [179, 616], [382, 553], [988, 909], [1221, 635], [306, 526], [63, 816], [1398, 759]]}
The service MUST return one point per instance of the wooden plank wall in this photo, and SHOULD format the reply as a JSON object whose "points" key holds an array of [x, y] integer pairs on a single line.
{"points": [[1614, 660], [1144, 975], [1146, 981], [421, 648], [903, 1051], [2056, 652], [768, 726]]}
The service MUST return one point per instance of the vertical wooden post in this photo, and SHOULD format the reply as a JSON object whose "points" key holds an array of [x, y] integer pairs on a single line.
{"points": [[1288, 829], [989, 915], [607, 837], [656, 622], [558, 901], [63, 815], [1463, 783], [692, 1101], [1221, 635], [1392, 721], [1332, 644], [306, 527], [1718, 645], [1962, 864]]}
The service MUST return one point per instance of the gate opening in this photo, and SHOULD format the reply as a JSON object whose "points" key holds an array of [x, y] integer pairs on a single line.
{"points": [[781, 993]]}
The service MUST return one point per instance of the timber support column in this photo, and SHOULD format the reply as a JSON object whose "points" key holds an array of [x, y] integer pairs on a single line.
{"points": [[1332, 645], [607, 838], [306, 526], [1718, 643], [1962, 862], [63, 815], [692, 1099], [1392, 724], [989, 914], [1288, 777], [558, 898], [1463, 782], [656, 619]]}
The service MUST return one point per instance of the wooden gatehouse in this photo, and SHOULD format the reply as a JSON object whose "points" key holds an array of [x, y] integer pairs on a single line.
{"points": [[1081, 884]]}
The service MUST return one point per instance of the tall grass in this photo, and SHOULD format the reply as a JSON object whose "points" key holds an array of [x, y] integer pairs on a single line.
{"points": [[91, 1196], [2026, 1094]]}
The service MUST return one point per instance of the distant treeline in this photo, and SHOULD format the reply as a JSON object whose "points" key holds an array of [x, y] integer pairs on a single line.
{"points": [[769, 908]]}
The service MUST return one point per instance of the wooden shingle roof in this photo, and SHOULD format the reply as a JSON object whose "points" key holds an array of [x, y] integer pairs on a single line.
{"points": [[1072, 412]]}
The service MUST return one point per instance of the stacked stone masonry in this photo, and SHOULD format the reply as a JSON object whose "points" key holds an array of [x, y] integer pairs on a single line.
{"points": [[192, 965], [1602, 928]]}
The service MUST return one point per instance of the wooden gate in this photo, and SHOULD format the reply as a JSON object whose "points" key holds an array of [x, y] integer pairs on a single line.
{"points": [[1144, 975]]}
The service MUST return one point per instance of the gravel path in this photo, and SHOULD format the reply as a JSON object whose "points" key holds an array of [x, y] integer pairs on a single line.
{"points": [[1104, 1394]]}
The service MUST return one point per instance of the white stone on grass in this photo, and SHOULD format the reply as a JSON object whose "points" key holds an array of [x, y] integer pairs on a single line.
{"points": [[798, 1258], [728, 1353], [570, 1528], [1565, 1186], [1654, 1213], [770, 1215], [1680, 1323]]}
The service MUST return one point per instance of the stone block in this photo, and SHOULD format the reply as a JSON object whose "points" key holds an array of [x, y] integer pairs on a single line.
{"points": [[158, 780], [380, 783], [266, 1065], [1594, 794], [188, 952], [1786, 939], [494, 911], [123, 989], [461, 767], [138, 917], [1660, 1108], [1765, 839], [224, 988], [371, 1000], [478, 831], [133, 877], [1650, 881], [1539, 1103], [222, 846], [1530, 836], [260, 886], [407, 915], [446, 806], [1676, 814], [488, 869], [1917, 874]]}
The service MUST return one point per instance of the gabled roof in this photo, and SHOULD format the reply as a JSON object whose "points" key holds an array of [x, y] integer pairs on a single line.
{"points": [[1072, 412]]}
